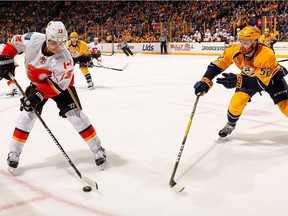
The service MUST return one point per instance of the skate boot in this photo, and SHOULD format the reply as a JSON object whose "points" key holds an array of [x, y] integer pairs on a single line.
{"points": [[100, 158], [12, 161], [90, 85], [13, 93], [226, 130]]}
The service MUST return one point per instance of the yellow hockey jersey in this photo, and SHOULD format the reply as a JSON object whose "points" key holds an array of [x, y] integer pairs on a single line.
{"points": [[262, 65], [80, 49], [267, 39]]}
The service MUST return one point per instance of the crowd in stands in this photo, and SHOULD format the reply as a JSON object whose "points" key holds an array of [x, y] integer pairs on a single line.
{"points": [[142, 21]]}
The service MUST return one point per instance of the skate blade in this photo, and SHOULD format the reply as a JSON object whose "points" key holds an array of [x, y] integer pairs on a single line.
{"points": [[91, 88], [11, 169], [12, 96], [221, 138], [102, 166]]}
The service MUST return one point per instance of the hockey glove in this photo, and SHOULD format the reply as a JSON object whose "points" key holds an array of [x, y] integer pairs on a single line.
{"points": [[6, 67], [33, 99], [89, 61], [90, 64], [230, 80], [203, 86]]}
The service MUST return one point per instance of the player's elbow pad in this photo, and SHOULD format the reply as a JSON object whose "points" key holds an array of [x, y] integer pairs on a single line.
{"points": [[212, 71], [252, 83], [282, 72]]}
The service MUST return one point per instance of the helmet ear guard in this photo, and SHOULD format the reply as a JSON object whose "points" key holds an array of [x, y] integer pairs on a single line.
{"points": [[56, 31], [249, 33]]}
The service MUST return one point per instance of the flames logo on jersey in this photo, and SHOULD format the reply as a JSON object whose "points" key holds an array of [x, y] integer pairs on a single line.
{"points": [[95, 50], [248, 71], [37, 75]]}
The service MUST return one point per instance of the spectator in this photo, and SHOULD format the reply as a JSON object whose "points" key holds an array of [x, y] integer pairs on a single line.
{"points": [[268, 38]]}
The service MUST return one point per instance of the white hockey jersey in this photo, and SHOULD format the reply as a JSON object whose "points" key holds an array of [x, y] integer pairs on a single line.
{"points": [[94, 48], [51, 74]]}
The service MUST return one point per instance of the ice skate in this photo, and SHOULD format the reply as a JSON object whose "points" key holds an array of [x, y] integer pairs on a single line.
{"points": [[226, 130], [12, 161], [100, 158], [13, 93], [90, 85]]}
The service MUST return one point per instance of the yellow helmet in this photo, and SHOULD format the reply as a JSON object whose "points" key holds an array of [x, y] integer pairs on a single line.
{"points": [[276, 33], [266, 30], [249, 33], [73, 35]]}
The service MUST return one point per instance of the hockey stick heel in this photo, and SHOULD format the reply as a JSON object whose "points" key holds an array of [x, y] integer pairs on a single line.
{"points": [[176, 187], [108, 54]]}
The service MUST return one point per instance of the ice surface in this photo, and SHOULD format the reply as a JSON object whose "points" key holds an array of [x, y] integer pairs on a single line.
{"points": [[141, 115]]}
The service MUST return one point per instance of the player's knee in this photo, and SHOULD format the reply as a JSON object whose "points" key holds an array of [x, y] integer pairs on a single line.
{"points": [[78, 119], [238, 102], [283, 106], [84, 70]]}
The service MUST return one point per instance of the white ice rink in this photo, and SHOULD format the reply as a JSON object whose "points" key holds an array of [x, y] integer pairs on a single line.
{"points": [[141, 115]]}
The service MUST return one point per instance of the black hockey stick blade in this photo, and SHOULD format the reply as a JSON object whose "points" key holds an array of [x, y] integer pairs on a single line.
{"points": [[283, 60]]}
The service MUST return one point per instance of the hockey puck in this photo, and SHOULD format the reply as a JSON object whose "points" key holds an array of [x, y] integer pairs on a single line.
{"points": [[87, 189]]}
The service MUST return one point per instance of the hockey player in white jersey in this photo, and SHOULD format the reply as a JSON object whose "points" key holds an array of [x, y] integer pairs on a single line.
{"points": [[49, 67], [11, 84], [95, 49], [207, 36], [13, 89]]}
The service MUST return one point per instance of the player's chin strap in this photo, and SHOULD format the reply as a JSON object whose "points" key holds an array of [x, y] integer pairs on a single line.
{"points": [[90, 182]]}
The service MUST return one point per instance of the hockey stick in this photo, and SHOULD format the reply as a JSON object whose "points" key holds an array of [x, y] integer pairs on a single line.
{"points": [[90, 182], [112, 51], [111, 68], [283, 60], [108, 54], [176, 187]]}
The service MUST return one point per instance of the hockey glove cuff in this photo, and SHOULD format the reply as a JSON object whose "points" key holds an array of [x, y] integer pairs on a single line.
{"points": [[230, 80], [6, 67], [9, 50], [90, 64], [203, 86], [34, 97]]}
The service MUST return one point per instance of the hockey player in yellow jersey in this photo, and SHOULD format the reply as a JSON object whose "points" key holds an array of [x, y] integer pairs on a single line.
{"points": [[268, 38], [259, 72], [81, 55]]}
